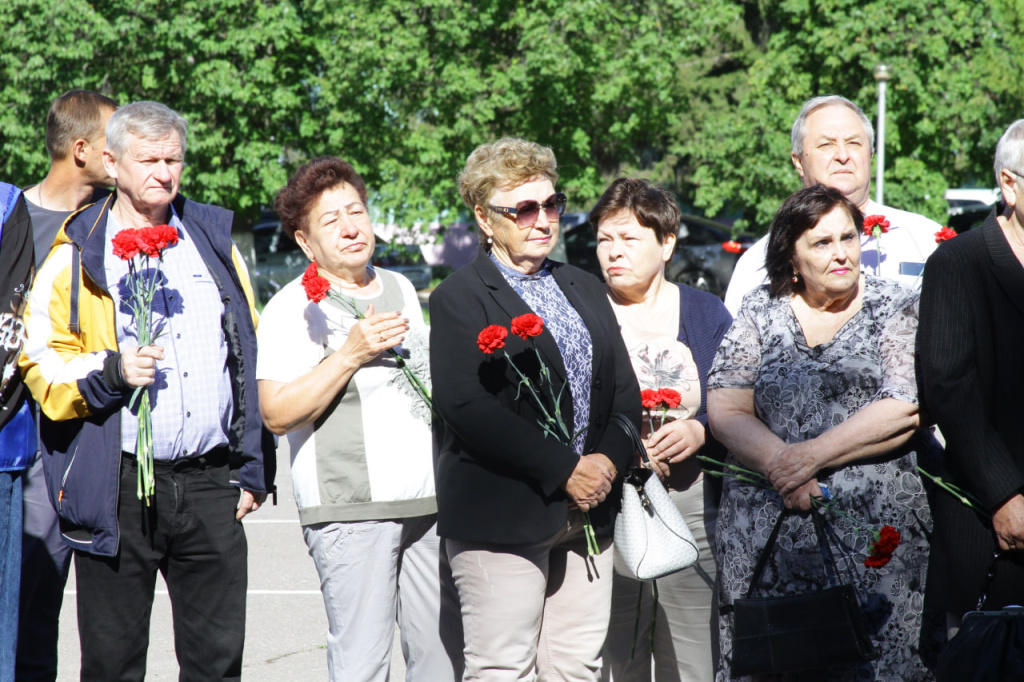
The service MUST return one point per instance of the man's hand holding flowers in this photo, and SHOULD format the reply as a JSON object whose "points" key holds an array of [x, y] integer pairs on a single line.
{"points": [[138, 365]]}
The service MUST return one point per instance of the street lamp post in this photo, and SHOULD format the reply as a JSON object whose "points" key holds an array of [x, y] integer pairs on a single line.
{"points": [[882, 74]]}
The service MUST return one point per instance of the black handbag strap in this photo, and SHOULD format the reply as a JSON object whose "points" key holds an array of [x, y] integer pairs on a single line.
{"points": [[989, 577], [826, 550], [634, 436]]}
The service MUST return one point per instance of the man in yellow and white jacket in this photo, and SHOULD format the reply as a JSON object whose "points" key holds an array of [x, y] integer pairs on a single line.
{"points": [[82, 364]]}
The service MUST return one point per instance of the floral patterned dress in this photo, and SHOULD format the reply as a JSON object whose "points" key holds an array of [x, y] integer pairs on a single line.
{"points": [[800, 392]]}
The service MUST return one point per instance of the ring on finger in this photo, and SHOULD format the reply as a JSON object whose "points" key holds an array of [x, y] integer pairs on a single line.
{"points": [[381, 337]]}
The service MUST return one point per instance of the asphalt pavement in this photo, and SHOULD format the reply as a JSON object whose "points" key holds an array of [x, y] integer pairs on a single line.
{"points": [[286, 628]]}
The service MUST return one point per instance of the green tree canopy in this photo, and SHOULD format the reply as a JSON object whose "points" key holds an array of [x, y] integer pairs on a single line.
{"points": [[696, 95]]}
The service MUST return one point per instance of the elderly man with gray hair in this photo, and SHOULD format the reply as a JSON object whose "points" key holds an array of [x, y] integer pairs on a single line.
{"points": [[833, 142], [970, 338], [213, 461]]}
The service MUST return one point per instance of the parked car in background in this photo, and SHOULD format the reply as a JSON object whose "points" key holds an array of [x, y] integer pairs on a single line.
{"points": [[277, 259], [967, 216], [968, 208], [406, 259], [704, 257]]}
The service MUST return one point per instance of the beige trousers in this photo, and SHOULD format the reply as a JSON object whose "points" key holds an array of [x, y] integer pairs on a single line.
{"points": [[685, 627], [534, 612]]}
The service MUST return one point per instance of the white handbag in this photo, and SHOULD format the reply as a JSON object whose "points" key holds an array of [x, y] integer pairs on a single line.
{"points": [[651, 538]]}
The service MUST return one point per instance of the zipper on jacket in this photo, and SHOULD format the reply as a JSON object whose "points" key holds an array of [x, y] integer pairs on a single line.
{"points": [[64, 480]]}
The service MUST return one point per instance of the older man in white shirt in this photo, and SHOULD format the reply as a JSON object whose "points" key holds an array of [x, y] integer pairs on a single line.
{"points": [[832, 145]]}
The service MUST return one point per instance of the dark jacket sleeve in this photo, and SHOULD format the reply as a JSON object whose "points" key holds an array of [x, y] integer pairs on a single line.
{"points": [[17, 258], [952, 298]]}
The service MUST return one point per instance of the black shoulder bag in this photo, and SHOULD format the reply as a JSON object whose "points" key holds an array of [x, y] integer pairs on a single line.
{"points": [[800, 632]]}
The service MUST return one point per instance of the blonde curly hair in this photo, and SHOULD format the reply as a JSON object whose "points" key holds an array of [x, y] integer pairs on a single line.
{"points": [[507, 163]]}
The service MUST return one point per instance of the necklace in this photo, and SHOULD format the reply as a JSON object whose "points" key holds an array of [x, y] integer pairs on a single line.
{"points": [[39, 195]]}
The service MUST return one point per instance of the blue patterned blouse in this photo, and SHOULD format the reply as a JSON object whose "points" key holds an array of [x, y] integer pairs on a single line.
{"points": [[541, 292]]}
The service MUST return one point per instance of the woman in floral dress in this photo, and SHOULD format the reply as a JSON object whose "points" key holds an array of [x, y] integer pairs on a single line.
{"points": [[814, 388]]}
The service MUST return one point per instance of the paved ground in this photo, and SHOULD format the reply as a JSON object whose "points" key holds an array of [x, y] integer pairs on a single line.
{"points": [[286, 626]]}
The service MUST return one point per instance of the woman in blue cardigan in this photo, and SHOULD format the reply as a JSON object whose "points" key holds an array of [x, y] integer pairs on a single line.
{"points": [[671, 332]]}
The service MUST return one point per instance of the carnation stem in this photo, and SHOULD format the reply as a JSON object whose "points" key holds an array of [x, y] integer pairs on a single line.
{"points": [[588, 532], [959, 493]]}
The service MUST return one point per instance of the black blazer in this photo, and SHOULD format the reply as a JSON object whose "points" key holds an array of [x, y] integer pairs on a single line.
{"points": [[498, 478], [971, 345]]}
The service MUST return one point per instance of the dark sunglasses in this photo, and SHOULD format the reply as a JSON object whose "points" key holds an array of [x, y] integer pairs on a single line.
{"points": [[527, 212]]}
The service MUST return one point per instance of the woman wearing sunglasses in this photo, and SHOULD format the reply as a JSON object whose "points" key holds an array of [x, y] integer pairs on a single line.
{"points": [[535, 602]]}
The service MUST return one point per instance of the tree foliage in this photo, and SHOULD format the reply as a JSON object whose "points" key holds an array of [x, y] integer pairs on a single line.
{"points": [[944, 111], [696, 95]]}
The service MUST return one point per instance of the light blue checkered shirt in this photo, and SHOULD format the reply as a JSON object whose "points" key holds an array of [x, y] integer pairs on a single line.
{"points": [[191, 399]]}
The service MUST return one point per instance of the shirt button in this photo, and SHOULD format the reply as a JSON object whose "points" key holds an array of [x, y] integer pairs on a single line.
{"points": [[188, 414], [177, 336], [186, 374]]}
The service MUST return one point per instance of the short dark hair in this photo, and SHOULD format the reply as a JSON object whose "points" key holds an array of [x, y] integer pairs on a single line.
{"points": [[296, 199], [652, 206], [75, 115], [799, 213]]}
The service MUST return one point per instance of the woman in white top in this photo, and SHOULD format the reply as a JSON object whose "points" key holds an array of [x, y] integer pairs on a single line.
{"points": [[359, 436]]}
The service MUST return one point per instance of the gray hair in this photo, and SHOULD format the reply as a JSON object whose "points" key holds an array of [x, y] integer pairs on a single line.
{"points": [[1010, 150], [815, 103], [148, 120]]}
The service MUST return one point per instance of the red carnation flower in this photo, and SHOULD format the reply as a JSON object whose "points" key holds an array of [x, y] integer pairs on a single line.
{"points": [[158, 238], [316, 286], [945, 234], [875, 225], [650, 398], [491, 338], [886, 541], [670, 397], [126, 244], [528, 325], [877, 560]]}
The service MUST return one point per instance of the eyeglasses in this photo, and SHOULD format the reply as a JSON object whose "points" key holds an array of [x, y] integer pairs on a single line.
{"points": [[527, 212]]}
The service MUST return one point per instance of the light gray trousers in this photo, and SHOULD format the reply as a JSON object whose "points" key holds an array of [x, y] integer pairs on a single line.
{"points": [[374, 574]]}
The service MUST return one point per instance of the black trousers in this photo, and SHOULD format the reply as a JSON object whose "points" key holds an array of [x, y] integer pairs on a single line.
{"points": [[189, 534]]}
